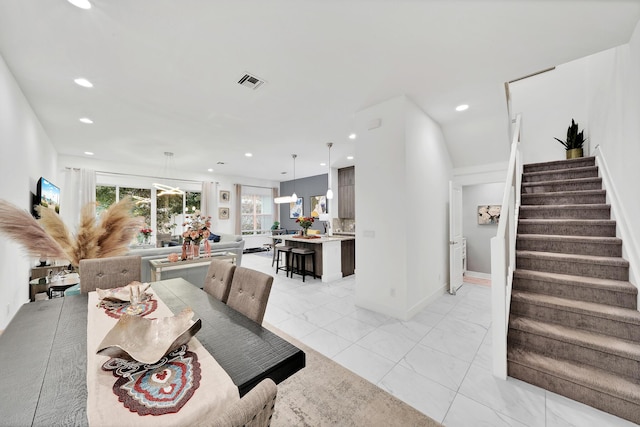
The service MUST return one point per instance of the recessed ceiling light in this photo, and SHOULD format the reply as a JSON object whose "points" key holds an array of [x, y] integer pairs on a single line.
{"points": [[210, 170], [86, 120], [81, 81], [352, 136], [349, 157], [323, 164], [462, 107], [82, 4], [88, 153], [248, 155]]}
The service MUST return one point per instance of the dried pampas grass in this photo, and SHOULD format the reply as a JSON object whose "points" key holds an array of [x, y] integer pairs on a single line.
{"points": [[49, 237]]}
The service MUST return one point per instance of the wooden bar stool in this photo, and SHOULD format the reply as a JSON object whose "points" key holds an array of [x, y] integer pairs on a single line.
{"points": [[299, 261], [286, 250]]}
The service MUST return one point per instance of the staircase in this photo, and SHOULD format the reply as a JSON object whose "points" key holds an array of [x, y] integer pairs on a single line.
{"points": [[574, 327]]}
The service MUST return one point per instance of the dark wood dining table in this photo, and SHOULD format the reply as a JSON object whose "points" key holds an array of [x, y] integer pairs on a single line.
{"points": [[43, 353]]}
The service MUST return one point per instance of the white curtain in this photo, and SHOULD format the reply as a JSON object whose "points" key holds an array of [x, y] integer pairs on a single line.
{"points": [[79, 189], [238, 210], [208, 200]]}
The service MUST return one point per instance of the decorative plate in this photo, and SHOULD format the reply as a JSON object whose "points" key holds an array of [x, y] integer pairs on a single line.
{"points": [[148, 340]]}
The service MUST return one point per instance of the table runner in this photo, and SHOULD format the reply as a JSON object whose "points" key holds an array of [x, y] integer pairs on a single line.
{"points": [[216, 389]]}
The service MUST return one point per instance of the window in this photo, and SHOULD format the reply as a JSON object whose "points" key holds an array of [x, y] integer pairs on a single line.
{"points": [[256, 210], [170, 210], [141, 201], [105, 197]]}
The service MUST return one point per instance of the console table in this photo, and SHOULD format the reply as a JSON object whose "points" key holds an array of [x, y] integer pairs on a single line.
{"points": [[160, 265]]}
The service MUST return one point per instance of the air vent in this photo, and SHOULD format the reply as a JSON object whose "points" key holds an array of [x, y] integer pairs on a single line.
{"points": [[220, 163], [250, 81]]}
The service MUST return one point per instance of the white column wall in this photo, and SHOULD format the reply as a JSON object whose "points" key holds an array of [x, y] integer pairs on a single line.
{"points": [[401, 208], [26, 154]]}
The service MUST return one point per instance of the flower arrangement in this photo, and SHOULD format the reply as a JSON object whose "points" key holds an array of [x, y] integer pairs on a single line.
{"points": [[198, 228], [305, 222], [146, 231]]}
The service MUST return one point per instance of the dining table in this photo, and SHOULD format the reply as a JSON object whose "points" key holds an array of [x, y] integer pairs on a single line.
{"points": [[43, 353]]}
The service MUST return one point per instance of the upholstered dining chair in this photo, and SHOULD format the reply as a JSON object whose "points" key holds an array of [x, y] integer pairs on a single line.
{"points": [[106, 273], [217, 283], [249, 293], [254, 409]]}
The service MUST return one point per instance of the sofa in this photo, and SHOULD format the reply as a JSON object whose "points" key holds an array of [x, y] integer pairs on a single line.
{"points": [[228, 243]]}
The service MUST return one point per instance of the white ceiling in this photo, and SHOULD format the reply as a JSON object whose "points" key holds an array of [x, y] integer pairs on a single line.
{"points": [[165, 72]]}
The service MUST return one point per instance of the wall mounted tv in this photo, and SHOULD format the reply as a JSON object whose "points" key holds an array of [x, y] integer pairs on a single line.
{"points": [[48, 195]]}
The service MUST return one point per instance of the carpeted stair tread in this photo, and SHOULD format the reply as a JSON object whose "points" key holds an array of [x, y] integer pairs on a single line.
{"points": [[563, 181], [582, 171], [560, 164], [588, 222], [587, 376], [624, 315], [604, 240], [583, 281], [572, 197], [592, 340], [586, 259]]}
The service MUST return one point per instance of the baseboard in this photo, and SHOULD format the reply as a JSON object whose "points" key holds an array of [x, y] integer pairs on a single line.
{"points": [[401, 314], [477, 275], [417, 308]]}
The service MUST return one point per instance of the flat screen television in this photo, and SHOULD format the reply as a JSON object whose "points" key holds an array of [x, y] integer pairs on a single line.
{"points": [[48, 195]]}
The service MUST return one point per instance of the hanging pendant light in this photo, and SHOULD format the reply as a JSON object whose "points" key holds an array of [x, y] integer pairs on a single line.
{"points": [[294, 197], [167, 189], [329, 191]]}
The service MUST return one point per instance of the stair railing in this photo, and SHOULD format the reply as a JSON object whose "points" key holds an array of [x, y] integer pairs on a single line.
{"points": [[503, 255], [630, 245]]}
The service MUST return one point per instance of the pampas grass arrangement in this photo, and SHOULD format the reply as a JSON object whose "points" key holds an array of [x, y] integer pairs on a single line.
{"points": [[49, 237]]}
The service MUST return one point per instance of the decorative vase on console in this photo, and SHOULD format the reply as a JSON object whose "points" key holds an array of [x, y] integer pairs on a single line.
{"points": [[195, 250]]}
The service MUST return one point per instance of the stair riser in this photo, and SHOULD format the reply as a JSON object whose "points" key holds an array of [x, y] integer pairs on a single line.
{"points": [[585, 269], [576, 353], [567, 164], [570, 319], [563, 199], [561, 186], [562, 290], [598, 230], [565, 213], [605, 402], [561, 175], [595, 249]]}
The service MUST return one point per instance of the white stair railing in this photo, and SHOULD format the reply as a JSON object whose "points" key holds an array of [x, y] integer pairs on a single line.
{"points": [[503, 256]]}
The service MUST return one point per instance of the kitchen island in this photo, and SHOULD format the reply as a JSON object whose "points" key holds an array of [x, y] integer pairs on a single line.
{"points": [[335, 256]]}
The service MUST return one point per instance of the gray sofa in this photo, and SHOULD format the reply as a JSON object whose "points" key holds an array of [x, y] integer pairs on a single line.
{"points": [[195, 275]]}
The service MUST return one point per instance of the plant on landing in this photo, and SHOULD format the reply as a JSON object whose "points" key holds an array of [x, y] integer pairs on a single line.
{"points": [[574, 139]]}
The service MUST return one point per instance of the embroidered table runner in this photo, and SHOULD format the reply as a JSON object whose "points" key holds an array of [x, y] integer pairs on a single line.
{"points": [[189, 388]]}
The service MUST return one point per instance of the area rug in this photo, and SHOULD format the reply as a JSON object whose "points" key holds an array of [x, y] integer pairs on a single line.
{"points": [[325, 393]]}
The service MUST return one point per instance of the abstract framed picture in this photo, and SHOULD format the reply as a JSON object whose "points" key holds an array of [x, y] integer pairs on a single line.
{"points": [[225, 196], [318, 205], [223, 213], [489, 214], [295, 208]]}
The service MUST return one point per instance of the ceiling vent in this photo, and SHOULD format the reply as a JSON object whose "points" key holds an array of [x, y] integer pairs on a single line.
{"points": [[250, 81]]}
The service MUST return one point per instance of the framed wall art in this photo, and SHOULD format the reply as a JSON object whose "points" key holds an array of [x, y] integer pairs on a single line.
{"points": [[295, 208], [223, 213], [225, 196], [489, 214], [318, 205]]}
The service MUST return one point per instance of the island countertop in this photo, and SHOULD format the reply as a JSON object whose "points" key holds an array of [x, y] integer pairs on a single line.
{"points": [[321, 238]]}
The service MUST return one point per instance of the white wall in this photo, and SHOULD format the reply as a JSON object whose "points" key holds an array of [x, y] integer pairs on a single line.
{"points": [[401, 208], [548, 102], [26, 154], [479, 236], [614, 112]]}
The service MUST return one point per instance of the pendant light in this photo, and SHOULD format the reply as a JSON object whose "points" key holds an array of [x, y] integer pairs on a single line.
{"points": [[167, 189], [329, 191]]}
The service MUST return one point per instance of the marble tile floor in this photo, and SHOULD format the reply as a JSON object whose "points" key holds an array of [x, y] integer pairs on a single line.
{"points": [[439, 362]]}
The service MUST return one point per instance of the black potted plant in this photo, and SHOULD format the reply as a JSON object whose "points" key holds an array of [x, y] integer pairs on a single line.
{"points": [[276, 225], [574, 142]]}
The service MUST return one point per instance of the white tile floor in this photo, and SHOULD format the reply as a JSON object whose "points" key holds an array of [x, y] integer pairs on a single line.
{"points": [[438, 362]]}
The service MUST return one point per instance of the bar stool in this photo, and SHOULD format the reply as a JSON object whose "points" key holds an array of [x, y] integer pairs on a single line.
{"points": [[286, 250], [299, 259]]}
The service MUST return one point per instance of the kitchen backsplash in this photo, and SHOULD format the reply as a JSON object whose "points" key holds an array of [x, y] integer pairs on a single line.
{"points": [[344, 225]]}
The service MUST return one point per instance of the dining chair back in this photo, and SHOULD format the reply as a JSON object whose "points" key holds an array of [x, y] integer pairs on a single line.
{"points": [[106, 273], [217, 283], [254, 409], [249, 293]]}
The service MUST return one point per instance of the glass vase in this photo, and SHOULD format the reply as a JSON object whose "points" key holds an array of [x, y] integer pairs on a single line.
{"points": [[195, 250], [207, 248]]}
